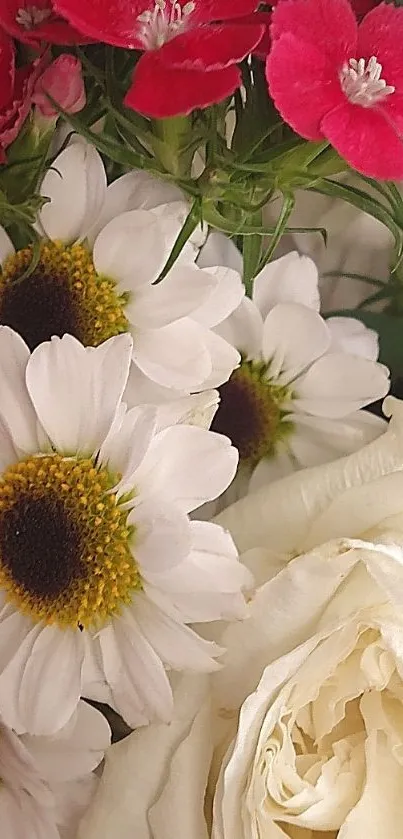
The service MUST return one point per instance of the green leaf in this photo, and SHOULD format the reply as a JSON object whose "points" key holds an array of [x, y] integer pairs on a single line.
{"points": [[193, 218]]}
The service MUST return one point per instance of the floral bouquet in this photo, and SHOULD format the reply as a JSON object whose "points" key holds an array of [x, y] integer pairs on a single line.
{"points": [[201, 488]]}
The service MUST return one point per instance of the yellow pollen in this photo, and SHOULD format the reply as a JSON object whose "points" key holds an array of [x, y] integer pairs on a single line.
{"points": [[61, 561], [62, 294]]}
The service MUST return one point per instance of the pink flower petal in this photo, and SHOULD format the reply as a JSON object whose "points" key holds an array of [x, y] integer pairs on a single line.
{"points": [[381, 34], [211, 47], [366, 140], [328, 24], [303, 84], [188, 89]]}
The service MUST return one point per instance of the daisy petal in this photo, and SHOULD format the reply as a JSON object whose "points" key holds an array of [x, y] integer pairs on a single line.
{"points": [[225, 298], [350, 335], [17, 415], [220, 250], [76, 390], [162, 536], [319, 440], [244, 329], [131, 249], [293, 337], [290, 279], [25, 706], [177, 645], [185, 289], [224, 359], [175, 355], [140, 686], [127, 443], [338, 384], [76, 186], [89, 737], [193, 464]]}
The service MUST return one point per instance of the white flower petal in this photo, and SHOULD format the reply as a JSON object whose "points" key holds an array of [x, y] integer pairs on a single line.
{"points": [[39, 695], [192, 465], [177, 645], [162, 536], [351, 336], [293, 337], [196, 409], [76, 391], [152, 760], [139, 684], [380, 808], [225, 298], [17, 415], [174, 356], [6, 246], [125, 446], [74, 750], [271, 469], [290, 279], [76, 186], [132, 249], [135, 190], [244, 329], [224, 358], [338, 384], [183, 291], [220, 250], [318, 440]]}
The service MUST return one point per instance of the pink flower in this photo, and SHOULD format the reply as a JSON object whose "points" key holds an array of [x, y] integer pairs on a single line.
{"points": [[36, 20], [16, 88], [189, 60], [333, 78], [64, 82]]}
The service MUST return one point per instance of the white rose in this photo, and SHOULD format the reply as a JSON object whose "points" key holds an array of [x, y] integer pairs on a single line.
{"points": [[301, 734]]}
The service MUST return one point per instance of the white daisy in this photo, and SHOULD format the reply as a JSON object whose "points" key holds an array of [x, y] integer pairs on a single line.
{"points": [[47, 782], [101, 255], [100, 567], [295, 400]]}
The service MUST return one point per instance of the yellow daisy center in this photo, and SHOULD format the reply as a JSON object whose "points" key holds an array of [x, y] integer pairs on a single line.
{"points": [[65, 555], [252, 412], [62, 294]]}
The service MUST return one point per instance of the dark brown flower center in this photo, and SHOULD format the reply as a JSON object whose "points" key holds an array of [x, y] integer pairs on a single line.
{"points": [[62, 294], [250, 412]]}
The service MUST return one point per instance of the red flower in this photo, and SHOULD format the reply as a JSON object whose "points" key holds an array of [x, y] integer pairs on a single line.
{"points": [[333, 78], [16, 90], [189, 59], [361, 7], [36, 20]]}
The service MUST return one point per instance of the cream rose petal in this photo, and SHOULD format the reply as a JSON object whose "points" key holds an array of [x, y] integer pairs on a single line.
{"points": [[152, 759]]}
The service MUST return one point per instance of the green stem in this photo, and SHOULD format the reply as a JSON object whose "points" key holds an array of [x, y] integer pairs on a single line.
{"points": [[170, 140]]}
